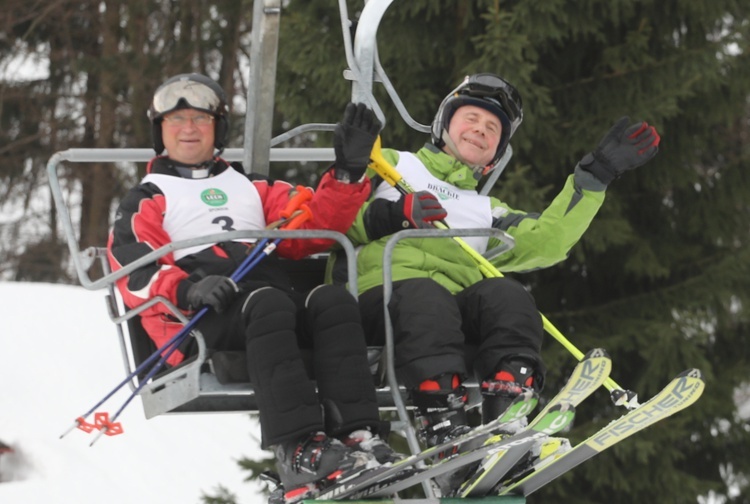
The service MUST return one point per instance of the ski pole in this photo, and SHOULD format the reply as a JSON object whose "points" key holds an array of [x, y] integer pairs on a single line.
{"points": [[102, 418], [109, 426], [382, 167], [293, 216]]}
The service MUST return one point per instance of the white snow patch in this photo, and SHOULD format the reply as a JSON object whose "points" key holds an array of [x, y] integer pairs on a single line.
{"points": [[60, 356]]}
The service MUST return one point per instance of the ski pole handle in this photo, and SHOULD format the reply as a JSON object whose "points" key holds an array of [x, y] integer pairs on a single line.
{"points": [[386, 170], [302, 195]]}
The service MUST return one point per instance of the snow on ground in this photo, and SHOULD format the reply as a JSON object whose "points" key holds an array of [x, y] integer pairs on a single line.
{"points": [[59, 356]]}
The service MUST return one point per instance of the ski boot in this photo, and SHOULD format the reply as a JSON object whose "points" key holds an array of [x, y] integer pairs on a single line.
{"points": [[441, 411], [365, 441], [276, 490], [514, 377], [315, 462], [441, 407]]}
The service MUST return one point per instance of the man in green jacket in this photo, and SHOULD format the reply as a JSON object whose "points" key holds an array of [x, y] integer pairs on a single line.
{"points": [[440, 300]]}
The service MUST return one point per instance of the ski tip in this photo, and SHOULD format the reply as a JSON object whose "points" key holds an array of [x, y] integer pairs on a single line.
{"points": [[693, 373], [596, 352], [629, 399]]}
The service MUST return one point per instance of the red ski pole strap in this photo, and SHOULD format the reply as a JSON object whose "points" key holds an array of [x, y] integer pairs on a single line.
{"points": [[299, 217], [301, 195]]}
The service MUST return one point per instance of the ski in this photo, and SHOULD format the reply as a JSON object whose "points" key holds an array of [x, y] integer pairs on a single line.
{"points": [[518, 410], [680, 393], [588, 376], [551, 421], [557, 414]]}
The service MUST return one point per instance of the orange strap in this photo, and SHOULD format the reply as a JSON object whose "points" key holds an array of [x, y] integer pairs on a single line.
{"points": [[301, 195], [302, 215]]}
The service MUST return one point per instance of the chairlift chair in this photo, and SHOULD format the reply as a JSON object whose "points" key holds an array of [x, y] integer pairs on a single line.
{"points": [[211, 381]]}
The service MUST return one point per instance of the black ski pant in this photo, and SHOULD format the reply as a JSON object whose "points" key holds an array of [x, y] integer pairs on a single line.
{"points": [[431, 327], [272, 328]]}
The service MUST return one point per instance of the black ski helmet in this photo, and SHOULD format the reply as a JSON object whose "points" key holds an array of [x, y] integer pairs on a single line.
{"points": [[194, 91], [489, 92]]}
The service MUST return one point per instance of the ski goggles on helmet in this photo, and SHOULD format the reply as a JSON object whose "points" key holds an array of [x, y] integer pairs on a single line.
{"points": [[486, 85], [185, 93]]}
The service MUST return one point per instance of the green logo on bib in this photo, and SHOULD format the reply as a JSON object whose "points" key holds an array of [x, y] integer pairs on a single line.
{"points": [[214, 197]]}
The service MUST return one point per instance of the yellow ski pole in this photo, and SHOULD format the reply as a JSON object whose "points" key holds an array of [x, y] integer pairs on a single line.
{"points": [[382, 167]]}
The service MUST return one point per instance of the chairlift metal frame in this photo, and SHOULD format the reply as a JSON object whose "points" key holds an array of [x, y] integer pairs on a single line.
{"points": [[191, 387]]}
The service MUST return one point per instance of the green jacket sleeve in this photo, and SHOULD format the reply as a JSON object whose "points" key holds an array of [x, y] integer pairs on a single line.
{"points": [[542, 240]]}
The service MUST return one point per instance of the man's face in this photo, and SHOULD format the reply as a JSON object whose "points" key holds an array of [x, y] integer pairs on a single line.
{"points": [[476, 133], [188, 135]]}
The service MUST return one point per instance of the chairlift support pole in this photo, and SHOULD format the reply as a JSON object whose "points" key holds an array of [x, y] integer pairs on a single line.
{"points": [[261, 86]]}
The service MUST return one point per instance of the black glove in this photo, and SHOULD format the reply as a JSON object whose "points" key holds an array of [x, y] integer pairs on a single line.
{"points": [[623, 148], [353, 139], [414, 210], [215, 291]]}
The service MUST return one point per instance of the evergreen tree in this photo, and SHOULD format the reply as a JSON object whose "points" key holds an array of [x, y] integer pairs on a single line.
{"points": [[104, 59]]}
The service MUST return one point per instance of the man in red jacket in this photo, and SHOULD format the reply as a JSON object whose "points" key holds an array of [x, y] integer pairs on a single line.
{"points": [[192, 192]]}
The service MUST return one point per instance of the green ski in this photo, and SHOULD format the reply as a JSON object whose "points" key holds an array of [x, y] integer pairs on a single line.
{"points": [[681, 392], [587, 377]]}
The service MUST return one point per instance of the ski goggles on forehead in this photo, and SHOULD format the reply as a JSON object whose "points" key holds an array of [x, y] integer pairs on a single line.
{"points": [[492, 86], [194, 94]]}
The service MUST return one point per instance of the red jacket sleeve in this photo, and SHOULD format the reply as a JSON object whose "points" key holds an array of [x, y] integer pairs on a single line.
{"points": [[138, 231], [334, 206]]}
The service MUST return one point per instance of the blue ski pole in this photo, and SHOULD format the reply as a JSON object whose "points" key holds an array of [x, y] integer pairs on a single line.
{"points": [[296, 213]]}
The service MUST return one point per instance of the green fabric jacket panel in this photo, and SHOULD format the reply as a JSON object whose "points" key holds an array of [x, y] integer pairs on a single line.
{"points": [[541, 240]]}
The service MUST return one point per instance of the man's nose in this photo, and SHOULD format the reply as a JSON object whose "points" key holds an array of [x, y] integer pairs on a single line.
{"points": [[480, 128]]}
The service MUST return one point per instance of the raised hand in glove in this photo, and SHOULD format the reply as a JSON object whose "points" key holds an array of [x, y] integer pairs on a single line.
{"points": [[623, 148], [216, 291], [414, 210], [353, 139]]}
